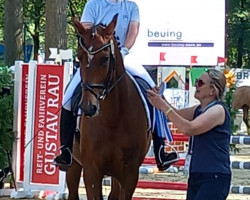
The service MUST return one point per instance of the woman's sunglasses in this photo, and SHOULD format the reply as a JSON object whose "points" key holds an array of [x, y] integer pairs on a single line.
{"points": [[199, 82]]}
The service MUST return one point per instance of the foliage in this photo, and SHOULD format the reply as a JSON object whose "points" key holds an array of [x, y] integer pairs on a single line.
{"points": [[1, 20], [34, 22], [76, 7], [238, 33], [6, 115], [233, 112], [234, 148]]}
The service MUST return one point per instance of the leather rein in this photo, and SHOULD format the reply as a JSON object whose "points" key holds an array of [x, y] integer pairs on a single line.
{"points": [[107, 86]]}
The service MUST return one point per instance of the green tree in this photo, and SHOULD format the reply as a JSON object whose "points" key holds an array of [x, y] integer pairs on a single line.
{"points": [[1, 19], [56, 25], [29, 22], [75, 7], [6, 115], [34, 23], [13, 30], [238, 33]]}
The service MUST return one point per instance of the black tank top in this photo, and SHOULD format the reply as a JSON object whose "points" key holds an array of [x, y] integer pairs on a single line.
{"points": [[211, 149]]}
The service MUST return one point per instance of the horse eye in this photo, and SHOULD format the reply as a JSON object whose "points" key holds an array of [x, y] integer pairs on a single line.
{"points": [[104, 60]]}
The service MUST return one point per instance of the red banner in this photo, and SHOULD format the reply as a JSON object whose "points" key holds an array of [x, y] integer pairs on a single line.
{"points": [[23, 118], [48, 98]]}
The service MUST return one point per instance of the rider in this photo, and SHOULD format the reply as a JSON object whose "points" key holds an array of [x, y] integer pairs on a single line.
{"points": [[102, 12]]}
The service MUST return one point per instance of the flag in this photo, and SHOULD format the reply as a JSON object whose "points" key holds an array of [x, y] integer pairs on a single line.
{"points": [[162, 56], [221, 60], [196, 73], [53, 53], [66, 54], [193, 59]]}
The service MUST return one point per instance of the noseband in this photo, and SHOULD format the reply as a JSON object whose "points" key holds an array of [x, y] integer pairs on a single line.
{"points": [[107, 86]]}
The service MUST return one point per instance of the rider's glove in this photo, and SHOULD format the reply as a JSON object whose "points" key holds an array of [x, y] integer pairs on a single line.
{"points": [[124, 51]]}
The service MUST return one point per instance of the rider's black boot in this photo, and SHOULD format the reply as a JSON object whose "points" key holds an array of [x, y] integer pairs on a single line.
{"points": [[163, 159], [67, 130]]}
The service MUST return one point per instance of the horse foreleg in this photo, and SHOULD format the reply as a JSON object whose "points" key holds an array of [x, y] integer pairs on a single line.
{"points": [[93, 183], [115, 189], [73, 176], [129, 183]]}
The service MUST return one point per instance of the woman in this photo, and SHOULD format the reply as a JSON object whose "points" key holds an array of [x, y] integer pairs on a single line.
{"points": [[208, 125]]}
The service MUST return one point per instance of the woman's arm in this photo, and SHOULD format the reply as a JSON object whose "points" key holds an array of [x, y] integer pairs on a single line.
{"points": [[186, 113], [209, 119], [212, 117]]}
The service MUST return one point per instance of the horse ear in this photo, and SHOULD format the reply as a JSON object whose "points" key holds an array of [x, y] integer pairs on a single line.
{"points": [[109, 30], [78, 26]]}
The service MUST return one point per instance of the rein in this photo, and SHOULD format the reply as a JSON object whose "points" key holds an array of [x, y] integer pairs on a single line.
{"points": [[106, 86]]}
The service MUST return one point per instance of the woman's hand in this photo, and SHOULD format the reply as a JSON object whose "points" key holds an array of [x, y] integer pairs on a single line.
{"points": [[156, 100]]}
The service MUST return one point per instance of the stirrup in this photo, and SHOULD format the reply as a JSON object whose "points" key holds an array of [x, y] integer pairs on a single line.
{"points": [[170, 161], [62, 166]]}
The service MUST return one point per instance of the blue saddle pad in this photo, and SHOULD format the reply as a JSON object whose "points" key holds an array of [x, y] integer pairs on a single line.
{"points": [[157, 119]]}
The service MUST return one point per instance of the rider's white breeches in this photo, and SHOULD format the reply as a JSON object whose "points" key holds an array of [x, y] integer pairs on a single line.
{"points": [[134, 71]]}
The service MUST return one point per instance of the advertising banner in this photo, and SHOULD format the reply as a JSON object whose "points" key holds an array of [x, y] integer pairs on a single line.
{"points": [[46, 83], [20, 115], [48, 98], [180, 32], [24, 98]]}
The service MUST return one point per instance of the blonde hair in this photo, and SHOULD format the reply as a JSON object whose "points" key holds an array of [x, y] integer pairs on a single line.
{"points": [[218, 81]]}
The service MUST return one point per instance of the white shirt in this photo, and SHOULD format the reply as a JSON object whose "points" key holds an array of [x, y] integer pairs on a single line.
{"points": [[103, 11]]}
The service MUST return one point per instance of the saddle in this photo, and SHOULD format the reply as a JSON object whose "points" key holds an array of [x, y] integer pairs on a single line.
{"points": [[143, 86], [156, 118]]}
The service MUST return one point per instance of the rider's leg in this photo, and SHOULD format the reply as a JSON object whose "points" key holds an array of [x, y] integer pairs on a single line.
{"points": [[162, 158], [67, 125], [70, 90], [67, 130], [141, 72]]}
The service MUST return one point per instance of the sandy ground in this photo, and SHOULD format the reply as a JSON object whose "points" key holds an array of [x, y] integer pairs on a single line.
{"points": [[239, 178]]}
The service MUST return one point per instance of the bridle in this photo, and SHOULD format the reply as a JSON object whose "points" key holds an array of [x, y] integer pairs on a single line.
{"points": [[107, 86]]}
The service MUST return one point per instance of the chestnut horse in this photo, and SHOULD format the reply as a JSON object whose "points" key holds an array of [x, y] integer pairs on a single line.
{"points": [[241, 100], [114, 136]]}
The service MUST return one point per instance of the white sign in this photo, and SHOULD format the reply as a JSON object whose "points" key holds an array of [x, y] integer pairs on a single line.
{"points": [[176, 97], [242, 77], [180, 32]]}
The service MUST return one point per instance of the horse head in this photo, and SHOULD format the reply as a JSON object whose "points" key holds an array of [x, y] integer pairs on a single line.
{"points": [[98, 55]]}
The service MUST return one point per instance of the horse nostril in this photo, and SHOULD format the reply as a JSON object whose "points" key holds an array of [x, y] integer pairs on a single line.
{"points": [[89, 110]]}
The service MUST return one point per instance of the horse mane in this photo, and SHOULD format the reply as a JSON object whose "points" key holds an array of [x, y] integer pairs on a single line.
{"points": [[94, 28]]}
